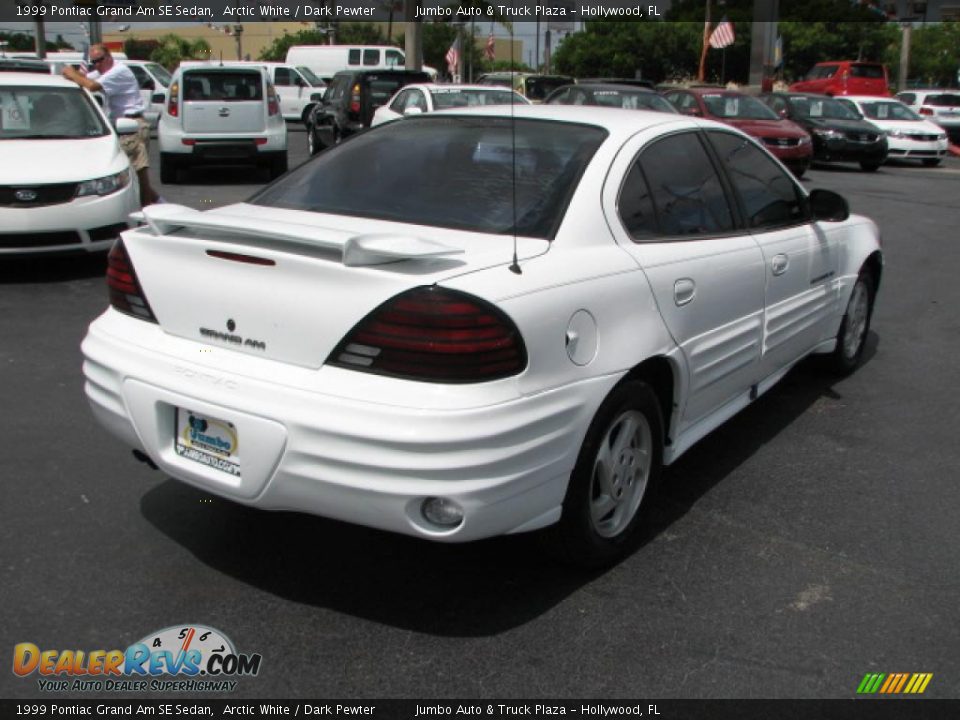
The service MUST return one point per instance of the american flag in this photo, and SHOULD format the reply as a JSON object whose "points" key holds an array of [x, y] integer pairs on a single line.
{"points": [[489, 49], [722, 35], [453, 58]]}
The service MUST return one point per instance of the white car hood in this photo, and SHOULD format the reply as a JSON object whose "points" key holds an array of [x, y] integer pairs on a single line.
{"points": [[908, 126], [28, 162]]}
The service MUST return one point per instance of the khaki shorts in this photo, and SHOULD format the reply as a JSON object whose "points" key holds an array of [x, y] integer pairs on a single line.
{"points": [[137, 146]]}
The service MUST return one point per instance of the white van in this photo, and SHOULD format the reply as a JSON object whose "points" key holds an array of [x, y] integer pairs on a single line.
{"points": [[297, 87], [327, 60]]}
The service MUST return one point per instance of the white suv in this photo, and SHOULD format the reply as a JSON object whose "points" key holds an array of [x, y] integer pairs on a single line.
{"points": [[219, 115]]}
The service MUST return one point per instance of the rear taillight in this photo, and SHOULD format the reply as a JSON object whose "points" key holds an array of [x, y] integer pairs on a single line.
{"points": [[273, 106], [125, 292], [925, 111], [434, 335], [173, 100], [355, 99]]}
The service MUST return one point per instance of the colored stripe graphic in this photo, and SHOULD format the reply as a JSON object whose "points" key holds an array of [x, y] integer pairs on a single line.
{"points": [[894, 683]]}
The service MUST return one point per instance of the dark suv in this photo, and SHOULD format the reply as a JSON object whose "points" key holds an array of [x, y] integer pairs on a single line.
{"points": [[350, 101]]}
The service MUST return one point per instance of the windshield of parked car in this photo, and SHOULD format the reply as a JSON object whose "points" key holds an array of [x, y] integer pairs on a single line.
{"points": [[742, 107], [47, 113], [537, 87], [444, 98], [160, 73], [309, 76], [625, 98], [881, 110], [826, 108], [482, 174]]}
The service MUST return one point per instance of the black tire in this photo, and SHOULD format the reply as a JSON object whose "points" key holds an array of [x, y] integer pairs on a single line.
{"points": [[601, 516], [869, 166], [169, 169], [313, 142], [278, 166], [305, 115], [931, 162], [855, 326]]}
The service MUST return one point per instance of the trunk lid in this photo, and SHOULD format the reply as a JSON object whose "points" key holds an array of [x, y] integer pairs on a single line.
{"points": [[289, 285], [224, 100]]}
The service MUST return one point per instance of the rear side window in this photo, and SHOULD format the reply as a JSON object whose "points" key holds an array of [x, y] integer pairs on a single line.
{"points": [[872, 72], [771, 199], [237, 86], [687, 195], [353, 56], [371, 57], [394, 58], [489, 175], [283, 77]]}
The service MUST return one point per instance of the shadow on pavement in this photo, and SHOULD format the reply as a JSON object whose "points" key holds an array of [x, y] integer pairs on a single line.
{"points": [[472, 590], [52, 268]]}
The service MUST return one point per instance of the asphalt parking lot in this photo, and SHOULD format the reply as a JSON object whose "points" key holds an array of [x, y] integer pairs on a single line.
{"points": [[810, 540]]}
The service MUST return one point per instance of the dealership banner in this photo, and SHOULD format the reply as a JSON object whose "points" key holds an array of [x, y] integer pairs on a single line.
{"points": [[309, 12]]}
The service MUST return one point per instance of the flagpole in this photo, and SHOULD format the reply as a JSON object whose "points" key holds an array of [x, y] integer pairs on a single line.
{"points": [[723, 66], [701, 73]]}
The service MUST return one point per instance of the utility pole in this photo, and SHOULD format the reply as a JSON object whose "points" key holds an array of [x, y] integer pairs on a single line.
{"points": [[906, 28], [763, 40], [238, 36], [413, 37]]}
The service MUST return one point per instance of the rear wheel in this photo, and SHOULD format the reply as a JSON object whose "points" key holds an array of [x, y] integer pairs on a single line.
{"points": [[169, 169], [616, 471], [869, 166], [855, 325]]}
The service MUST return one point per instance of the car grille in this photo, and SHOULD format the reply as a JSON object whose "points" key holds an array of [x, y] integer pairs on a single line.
{"points": [[36, 195], [38, 240], [922, 137], [781, 142], [861, 137]]}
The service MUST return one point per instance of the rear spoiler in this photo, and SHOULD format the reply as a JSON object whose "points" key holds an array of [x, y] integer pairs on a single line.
{"points": [[371, 249]]}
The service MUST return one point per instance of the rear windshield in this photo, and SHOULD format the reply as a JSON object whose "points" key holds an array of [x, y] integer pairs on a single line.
{"points": [[481, 174], [460, 97], [944, 100], [537, 88], [624, 98], [738, 106], [48, 113], [872, 72], [232, 86]]}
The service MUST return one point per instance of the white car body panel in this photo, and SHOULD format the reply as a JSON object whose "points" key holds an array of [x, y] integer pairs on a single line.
{"points": [[590, 305], [385, 113]]}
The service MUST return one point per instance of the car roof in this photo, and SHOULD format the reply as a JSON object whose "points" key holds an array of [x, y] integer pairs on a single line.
{"points": [[458, 86], [37, 79]]}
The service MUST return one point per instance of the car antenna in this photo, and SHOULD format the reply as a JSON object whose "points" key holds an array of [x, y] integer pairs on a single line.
{"points": [[515, 265]]}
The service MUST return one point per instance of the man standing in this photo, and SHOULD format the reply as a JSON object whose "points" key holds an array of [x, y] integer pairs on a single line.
{"points": [[122, 92]]}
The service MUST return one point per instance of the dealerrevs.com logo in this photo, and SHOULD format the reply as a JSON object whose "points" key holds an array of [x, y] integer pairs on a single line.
{"points": [[197, 657]]}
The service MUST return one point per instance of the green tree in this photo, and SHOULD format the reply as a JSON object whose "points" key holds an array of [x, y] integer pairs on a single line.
{"points": [[172, 49], [934, 54]]}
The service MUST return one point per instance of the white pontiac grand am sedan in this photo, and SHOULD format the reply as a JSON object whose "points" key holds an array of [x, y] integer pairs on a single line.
{"points": [[475, 323], [65, 183]]}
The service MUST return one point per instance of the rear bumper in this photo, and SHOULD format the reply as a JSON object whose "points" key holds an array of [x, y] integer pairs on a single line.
{"points": [[319, 451]]}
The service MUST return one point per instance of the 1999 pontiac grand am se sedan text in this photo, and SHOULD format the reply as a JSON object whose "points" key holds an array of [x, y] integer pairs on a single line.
{"points": [[478, 322]]}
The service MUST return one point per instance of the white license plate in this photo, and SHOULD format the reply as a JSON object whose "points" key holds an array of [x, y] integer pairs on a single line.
{"points": [[207, 440]]}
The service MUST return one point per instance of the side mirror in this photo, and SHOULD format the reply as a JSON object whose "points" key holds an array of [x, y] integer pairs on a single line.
{"points": [[127, 126], [413, 111], [828, 206]]}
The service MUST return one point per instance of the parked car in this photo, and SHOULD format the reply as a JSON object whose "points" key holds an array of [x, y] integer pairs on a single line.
{"points": [[635, 82], [909, 136], [418, 99], [625, 97], [327, 60], [295, 86], [218, 116], [839, 133], [477, 322], [534, 87], [789, 142], [9, 64], [350, 101], [845, 77], [65, 183], [939, 106]]}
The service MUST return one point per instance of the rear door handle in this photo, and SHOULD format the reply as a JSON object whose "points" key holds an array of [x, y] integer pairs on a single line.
{"points": [[684, 290], [779, 264]]}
